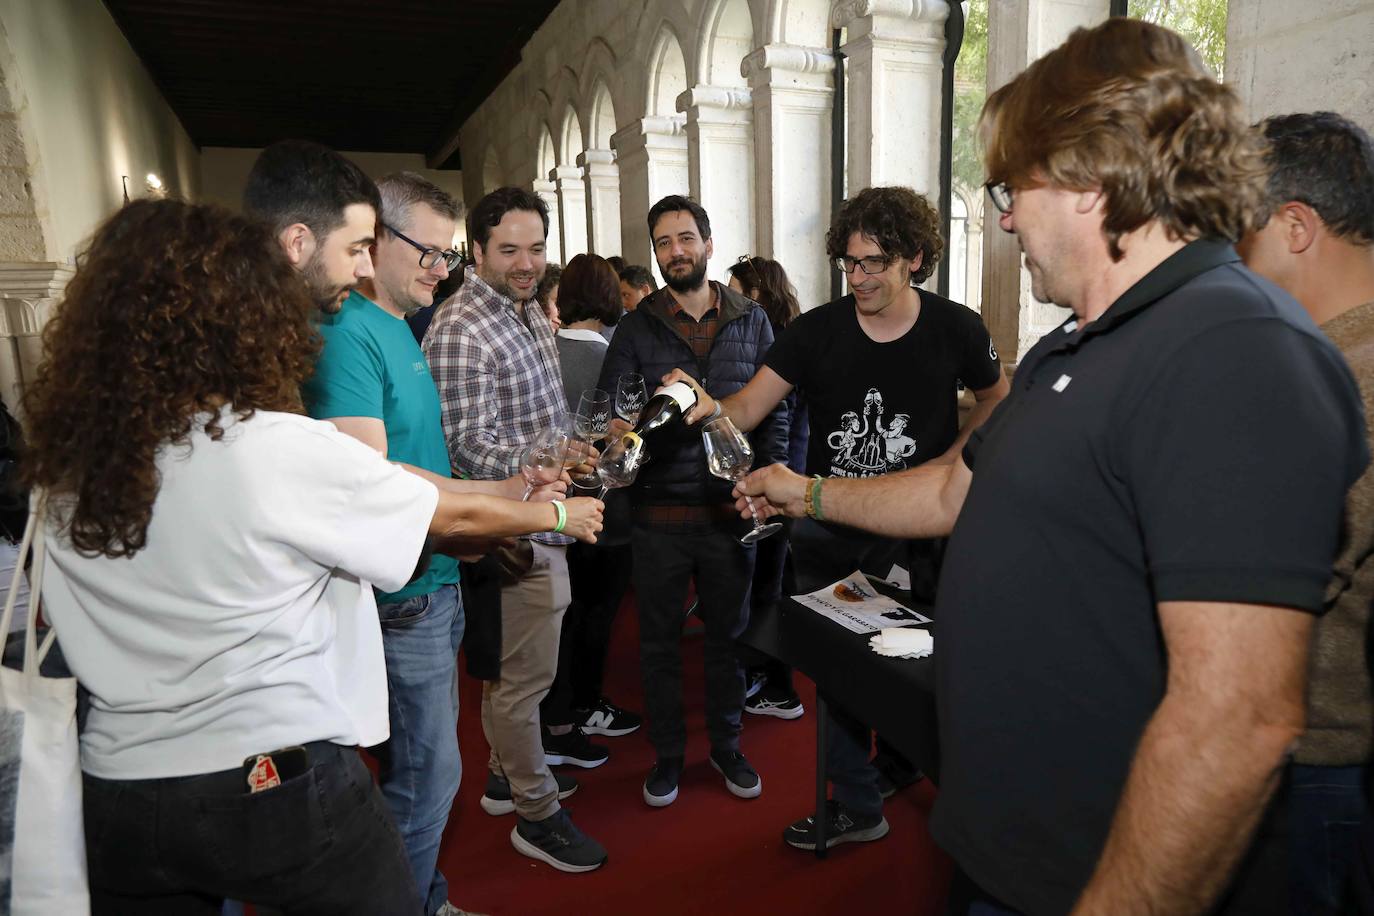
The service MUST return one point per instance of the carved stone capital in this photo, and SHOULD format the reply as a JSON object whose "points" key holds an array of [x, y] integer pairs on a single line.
{"points": [[847, 11], [792, 58], [726, 98], [34, 280]]}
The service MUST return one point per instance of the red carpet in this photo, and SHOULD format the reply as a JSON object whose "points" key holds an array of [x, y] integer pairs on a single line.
{"points": [[709, 851]]}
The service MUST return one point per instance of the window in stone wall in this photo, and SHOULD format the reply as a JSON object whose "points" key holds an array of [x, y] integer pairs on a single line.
{"points": [[967, 197], [1202, 22]]}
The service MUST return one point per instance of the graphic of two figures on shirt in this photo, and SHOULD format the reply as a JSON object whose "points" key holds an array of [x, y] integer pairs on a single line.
{"points": [[864, 445]]}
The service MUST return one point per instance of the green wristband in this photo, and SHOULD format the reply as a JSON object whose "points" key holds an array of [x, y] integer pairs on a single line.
{"points": [[562, 516], [816, 498]]}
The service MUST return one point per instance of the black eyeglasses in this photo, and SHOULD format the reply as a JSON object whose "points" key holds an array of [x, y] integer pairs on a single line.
{"points": [[871, 265], [1001, 194], [429, 256]]}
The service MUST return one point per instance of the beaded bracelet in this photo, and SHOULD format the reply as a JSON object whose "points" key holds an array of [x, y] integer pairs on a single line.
{"points": [[812, 498], [562, 515]]}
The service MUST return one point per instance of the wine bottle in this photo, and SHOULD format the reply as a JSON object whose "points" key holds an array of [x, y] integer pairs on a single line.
{"points": [[668, 405]]}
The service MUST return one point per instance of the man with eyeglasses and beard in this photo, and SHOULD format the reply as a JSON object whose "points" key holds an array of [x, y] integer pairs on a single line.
{"points": [[683, 526], [495, 362], [880, 370]]}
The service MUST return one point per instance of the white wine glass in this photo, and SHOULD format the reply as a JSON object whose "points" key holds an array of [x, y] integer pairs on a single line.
{"points": [[542, 463], [729, 455], [619, 465], [630, 396], [593, 414]]}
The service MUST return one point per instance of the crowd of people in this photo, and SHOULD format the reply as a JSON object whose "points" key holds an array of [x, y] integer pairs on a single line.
{"points": [[285, 459]]}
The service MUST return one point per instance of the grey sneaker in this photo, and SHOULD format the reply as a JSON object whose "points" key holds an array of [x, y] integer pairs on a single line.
{"points": [[842, 826], [498, 800], [660, 787], [449, 909], [557, 841], [740, 777]]}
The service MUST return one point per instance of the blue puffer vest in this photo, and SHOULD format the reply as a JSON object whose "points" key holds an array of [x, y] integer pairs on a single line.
{"points": [[648, 341]]}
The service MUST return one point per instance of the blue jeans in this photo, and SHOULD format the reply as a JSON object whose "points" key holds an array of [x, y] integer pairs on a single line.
{"points": [[420, 766], [1327, 806]]}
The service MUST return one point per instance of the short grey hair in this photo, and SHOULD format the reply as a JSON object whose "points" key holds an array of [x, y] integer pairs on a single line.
{"points": [[401, 191]]}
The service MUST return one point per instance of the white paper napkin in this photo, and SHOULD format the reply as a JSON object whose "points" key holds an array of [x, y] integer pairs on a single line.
{"points": [[901, 642]]}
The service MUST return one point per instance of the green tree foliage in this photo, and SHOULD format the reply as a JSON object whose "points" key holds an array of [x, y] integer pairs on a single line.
{"points": [[970, 91], [1202, 22]]}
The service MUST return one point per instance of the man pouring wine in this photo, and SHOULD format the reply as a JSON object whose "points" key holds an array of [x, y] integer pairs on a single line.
{"points": [[684, 526]]}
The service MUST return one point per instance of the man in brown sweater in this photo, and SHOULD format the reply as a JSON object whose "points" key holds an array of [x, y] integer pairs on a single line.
{"points": [[1319, 246]]}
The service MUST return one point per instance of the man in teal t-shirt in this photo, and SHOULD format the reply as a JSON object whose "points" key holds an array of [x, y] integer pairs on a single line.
{"points": [[372, 382]]}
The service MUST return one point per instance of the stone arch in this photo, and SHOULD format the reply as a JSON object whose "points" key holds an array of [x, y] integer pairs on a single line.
{"points": [[570, 137], [597, 78], [667, 73], [546, 158], [799, 22], [601, 120], [726, 38]]}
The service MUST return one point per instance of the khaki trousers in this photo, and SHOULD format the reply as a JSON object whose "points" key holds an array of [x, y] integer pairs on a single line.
{"points": [[531, 620]]}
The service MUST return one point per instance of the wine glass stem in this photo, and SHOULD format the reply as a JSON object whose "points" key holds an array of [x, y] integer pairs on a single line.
{"points": [[602, 494], [529, 488], [753, 513]]}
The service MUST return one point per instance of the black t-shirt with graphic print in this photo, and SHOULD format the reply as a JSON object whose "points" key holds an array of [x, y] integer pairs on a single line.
{"points": [[875, 407]]}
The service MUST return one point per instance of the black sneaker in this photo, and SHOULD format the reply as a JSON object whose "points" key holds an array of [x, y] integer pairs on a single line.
{"points": [[497, 799], [606, 718], [660, 788], [894, 774], [573, 748], [775, 701], [557, 841], [740, 777], [842, 826]]}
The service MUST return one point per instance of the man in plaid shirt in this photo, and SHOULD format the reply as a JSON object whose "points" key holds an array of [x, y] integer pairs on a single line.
{"points": [[491, 349]]}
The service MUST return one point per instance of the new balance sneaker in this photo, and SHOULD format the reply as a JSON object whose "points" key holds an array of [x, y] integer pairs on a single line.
{"points": [[573, 748], [894, 773], [498, 800], [740, 777], [660, 788], [842, 826], [775, 701], [557, 841], [606, 718]]}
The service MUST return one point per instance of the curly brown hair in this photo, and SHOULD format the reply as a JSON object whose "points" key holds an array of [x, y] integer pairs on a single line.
{"points": [[175, 309], [1130, 108], [901, 222]]}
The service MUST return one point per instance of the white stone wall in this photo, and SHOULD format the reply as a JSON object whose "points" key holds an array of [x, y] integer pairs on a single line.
{"points": [[1285, 57]]}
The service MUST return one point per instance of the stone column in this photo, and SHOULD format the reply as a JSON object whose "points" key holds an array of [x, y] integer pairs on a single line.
{"points": [[602, 177], [652, 155], [548, 193], [21, 340], [792, 92], [572, 210], [720, 156], [894, 64], [1019, 32]]}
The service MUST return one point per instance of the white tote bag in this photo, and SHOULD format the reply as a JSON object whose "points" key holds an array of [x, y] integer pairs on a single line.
{"points": [[42, 842]]}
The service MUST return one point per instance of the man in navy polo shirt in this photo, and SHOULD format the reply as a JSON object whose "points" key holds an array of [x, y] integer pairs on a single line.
{"points": [[1143, 530]]}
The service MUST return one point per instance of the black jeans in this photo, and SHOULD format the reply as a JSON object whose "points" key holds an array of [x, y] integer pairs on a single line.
{"points": [[322, 842], [664, 562], [598, 577]]}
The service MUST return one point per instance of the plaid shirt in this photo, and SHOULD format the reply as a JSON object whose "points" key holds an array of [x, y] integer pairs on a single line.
{"points": [[498, 377], [698, 334]]}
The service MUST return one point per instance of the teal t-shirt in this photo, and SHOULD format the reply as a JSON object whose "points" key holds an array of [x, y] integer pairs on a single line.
{"points": [[371, 366]]}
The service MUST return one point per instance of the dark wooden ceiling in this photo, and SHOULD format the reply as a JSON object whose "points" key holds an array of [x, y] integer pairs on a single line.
{"points": [[366, 75]]}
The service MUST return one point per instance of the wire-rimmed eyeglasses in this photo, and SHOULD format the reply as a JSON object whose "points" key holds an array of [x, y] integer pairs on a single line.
{"points": [[870, 265], [429, 256], [1002, 195]]}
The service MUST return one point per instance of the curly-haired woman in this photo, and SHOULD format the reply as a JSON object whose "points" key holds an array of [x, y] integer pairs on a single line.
{"points": [[212, 552]]}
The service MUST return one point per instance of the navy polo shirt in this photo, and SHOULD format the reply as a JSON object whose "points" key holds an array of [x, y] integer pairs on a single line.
{"points": [[1194, 443]]}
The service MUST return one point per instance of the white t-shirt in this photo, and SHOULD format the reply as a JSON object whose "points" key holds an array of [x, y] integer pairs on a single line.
{"points": [[247, 623]]}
